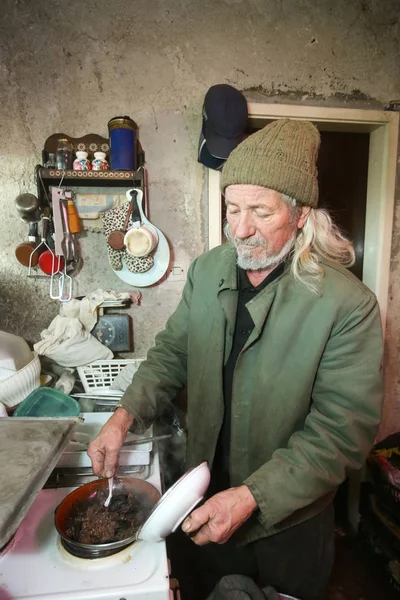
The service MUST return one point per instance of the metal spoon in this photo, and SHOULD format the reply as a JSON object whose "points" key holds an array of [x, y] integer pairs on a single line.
{"points": [[154, 438], [138, 441], [110, 492]]}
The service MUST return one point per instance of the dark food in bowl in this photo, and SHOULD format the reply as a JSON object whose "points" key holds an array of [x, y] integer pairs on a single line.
{"points": [[91, 523]]}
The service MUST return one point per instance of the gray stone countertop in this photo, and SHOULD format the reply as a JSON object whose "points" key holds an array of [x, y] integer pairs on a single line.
{"points": [[29, 450]]}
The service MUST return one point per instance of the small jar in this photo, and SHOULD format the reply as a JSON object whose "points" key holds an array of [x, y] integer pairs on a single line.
{"points": [[81, 163], [64, 154], [51, 161], [100, 163]]}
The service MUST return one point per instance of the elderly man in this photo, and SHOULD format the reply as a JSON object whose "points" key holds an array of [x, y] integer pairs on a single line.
{"points": [[280, 349]]}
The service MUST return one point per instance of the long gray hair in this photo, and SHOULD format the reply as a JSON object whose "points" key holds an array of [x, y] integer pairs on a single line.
{"points": [[319, 239]]}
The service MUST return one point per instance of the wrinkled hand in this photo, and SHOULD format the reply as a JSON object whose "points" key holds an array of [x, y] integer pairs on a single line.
{"points": [[220, 516], [104, 450]]}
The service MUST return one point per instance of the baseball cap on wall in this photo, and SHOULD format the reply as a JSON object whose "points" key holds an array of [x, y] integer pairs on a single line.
{"points": [[224, 119], [204, 156]]}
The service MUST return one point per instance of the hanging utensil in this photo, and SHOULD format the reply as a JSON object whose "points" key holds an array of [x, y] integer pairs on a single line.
{"points": [[142, 238], [62, 282], [57, 282], [28, 207], [116, 238], [50, 265], [59, 272], [64, 285], [23, 251], [74, 221], [42, 245], [68, 241]]}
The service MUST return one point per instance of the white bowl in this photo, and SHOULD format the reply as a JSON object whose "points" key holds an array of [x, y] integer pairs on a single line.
{"points": [[175, 505], [16, 388], [15, 354]]}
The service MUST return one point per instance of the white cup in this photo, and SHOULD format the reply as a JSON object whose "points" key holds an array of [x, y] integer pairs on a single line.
{"points": [[140, 241]]}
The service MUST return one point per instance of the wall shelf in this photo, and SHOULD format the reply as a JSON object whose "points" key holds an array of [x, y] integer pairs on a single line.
{"points": [[70, 177]]}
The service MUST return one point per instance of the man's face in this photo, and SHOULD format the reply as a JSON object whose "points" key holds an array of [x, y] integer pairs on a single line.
{"points": [[261, 225]]}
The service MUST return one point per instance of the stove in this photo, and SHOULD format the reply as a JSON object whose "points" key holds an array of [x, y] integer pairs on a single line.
{"points": [[35, 566]]}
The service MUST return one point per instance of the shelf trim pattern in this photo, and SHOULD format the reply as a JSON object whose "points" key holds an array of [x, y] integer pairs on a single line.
{"points": [[104, 175]]}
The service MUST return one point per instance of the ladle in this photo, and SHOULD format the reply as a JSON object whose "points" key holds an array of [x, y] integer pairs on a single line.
{"points": [[28, 207]]}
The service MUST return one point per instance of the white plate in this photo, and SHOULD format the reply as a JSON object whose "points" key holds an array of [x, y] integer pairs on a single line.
{"points": [[174, 506], [161, 254]]}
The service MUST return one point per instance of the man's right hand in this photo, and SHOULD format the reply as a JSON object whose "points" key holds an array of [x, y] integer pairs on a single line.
{"points": [[104, 450]]}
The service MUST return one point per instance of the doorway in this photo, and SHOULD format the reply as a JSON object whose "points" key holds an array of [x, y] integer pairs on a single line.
{"points": [[343, 182]]}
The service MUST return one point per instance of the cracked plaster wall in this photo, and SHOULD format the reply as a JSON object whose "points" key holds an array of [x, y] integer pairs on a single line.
{"points": [[72, 66]]}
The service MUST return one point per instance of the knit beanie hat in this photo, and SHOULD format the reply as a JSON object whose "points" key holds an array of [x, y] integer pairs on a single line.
{"points": [[282, 156]]}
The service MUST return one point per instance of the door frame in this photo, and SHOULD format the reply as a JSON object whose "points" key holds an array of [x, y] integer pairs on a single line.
{"points": [[383, 127]]}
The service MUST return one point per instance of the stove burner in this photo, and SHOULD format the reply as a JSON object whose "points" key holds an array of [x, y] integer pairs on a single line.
{"points": [[89, 555]]}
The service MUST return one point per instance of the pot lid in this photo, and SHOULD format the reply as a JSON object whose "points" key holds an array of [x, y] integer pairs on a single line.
{"points": [[177, 502]]}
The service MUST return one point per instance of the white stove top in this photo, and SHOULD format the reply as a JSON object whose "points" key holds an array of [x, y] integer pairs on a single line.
{"points": [[34, 565]]}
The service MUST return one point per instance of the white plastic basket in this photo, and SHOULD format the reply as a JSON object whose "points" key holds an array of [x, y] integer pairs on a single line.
{"points": [[98, 376]]}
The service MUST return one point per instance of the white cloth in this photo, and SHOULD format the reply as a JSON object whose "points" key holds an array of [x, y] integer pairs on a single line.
{"points": [[65, 383], [86, 309], [69, 344]]}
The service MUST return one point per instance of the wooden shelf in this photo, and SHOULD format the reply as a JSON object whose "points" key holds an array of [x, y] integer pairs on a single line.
{"points": [[93, 178]]}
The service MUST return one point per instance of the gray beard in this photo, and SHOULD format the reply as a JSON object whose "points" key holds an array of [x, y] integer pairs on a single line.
{"points": [[244, 257]]}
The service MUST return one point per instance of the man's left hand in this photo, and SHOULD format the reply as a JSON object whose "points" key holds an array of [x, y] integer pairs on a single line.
{"points": [[220, 516]]}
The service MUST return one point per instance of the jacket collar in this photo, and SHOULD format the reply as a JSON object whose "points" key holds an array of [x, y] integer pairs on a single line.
{"points": [[227, 270], [258, 308]]}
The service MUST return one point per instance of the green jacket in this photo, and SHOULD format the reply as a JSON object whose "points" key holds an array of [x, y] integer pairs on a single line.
{"points": [[307, 389]]}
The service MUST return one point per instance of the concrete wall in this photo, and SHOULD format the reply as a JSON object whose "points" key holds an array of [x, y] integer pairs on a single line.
{"points": [[72, 66]]}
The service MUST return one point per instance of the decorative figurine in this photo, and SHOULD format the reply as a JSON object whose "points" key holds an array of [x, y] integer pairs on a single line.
{"points": [[100, 163], [81, 163]]}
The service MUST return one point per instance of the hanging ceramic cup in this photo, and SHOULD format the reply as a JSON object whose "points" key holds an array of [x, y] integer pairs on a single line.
{"points": [[140, 241]]}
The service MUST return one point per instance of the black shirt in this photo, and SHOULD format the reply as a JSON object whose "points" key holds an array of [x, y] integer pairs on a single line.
{"points": [[243, 327]]}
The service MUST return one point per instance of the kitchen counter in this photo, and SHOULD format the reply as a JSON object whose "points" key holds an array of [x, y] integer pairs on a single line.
{"points": [[29, 450]]}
